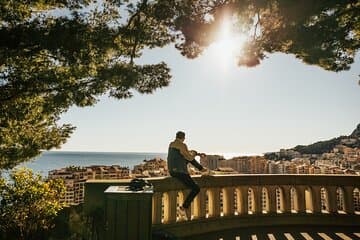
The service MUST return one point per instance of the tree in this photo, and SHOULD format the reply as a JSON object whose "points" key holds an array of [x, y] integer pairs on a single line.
{"points": [[28, 205], [50, 61], [323, 33]]}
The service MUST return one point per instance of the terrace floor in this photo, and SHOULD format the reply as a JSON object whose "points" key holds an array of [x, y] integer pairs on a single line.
{"points": [[279, 233]]}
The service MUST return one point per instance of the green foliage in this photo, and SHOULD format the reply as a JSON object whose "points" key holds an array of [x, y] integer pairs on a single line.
{"points": [[28, 205], [50, 62], [57, 54], [318, 147], [356, 132], [71, 223], [271, 156]]}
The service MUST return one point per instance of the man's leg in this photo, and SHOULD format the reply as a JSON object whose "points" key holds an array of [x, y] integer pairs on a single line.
{"points": [[187, 180]]}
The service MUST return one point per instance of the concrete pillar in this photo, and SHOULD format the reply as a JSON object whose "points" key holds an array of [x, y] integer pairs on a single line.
{"points": [[214, 202], [200, 204], [349, 199], [228, 201], [170, 207], [157, 208]]}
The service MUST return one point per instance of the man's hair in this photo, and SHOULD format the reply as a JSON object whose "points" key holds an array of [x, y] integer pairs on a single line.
{"points": [[180, 134]]}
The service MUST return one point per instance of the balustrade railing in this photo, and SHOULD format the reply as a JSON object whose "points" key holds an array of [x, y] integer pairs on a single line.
{"points": [[238, 195], [228, 201]]}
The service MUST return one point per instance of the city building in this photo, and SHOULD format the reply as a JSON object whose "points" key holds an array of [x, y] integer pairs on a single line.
{"points": [[156, 167], [211, 161], [276, 167], [75, 178]]}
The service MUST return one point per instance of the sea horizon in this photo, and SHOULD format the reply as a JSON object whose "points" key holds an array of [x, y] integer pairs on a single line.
{"points": [[57, 159], [231, 154], [51, 160]]}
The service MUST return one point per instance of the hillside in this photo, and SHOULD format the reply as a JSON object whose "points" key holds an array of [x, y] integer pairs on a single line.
{"points": [[353, 140]]}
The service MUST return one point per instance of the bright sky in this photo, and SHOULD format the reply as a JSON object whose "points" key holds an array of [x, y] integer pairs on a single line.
{"points": [[224, 108]]}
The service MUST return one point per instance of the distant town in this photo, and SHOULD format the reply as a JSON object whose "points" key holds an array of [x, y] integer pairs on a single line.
{"points": [[336, 156]]}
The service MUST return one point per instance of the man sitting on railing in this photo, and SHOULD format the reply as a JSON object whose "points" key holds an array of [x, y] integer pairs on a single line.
{"points": [[178, 158]]}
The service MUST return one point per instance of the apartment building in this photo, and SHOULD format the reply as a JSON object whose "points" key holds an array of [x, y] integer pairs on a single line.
{"points": [[75, 178], [151, 168]]}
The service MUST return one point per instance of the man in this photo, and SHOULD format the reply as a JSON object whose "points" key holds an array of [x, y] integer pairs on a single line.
{"points": [[178, 158]]}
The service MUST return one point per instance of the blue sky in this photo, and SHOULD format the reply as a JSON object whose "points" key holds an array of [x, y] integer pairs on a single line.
{"points": [[224, 108]]}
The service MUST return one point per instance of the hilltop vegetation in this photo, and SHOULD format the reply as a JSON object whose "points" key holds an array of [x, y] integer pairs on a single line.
{"points": [[318, 147], [353, 140]]}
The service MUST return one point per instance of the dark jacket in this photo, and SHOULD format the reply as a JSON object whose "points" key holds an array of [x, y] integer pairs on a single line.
{"points": [[178, 157]]}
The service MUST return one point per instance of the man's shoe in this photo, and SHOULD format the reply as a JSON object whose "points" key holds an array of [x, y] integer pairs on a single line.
{"points": [[182, 213]]}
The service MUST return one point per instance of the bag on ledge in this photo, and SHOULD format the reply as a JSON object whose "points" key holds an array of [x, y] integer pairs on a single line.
{"points": [[138, 184]]}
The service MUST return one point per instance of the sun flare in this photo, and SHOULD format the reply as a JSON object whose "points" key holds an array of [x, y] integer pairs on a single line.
{"points": [[228, 44]]}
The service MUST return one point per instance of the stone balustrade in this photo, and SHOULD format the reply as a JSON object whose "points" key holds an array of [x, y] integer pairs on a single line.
{"points": [[233, 201]]}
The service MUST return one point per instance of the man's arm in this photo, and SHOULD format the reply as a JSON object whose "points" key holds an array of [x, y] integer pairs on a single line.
{"points": [[197, 165], [186, 153]]}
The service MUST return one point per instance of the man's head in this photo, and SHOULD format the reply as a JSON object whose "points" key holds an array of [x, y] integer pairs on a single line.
{"points": [[180, 135]]}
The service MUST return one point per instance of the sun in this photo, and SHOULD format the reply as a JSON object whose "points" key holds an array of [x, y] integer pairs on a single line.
{"points": [[228, 44]]}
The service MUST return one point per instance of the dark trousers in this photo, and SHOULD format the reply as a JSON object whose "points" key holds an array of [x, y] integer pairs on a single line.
{"points": [[187, 181]]}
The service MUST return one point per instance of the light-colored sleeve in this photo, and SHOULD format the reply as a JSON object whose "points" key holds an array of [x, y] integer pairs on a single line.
{"points": [[185, 152]]}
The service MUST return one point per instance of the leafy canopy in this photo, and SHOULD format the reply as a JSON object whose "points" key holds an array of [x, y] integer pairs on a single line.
{"points": [[50, 62], [323, 33], [58, 53]]}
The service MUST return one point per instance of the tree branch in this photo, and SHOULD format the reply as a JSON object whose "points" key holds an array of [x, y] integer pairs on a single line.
{"points": [[257, 23]]}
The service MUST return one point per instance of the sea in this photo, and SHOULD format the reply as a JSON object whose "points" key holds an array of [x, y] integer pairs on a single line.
{"points": [[51, 160]]}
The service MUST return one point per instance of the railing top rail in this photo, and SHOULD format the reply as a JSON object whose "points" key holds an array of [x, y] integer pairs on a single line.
{"points": [[162, 184]]}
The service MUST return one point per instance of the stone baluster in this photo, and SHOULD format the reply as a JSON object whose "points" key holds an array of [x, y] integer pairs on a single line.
{"points": [[200, 204], [332, 199], [349, 199], [272, 199], [214, 202], [309, 205], [300, 191], [316, 194], [282, 199], [257, 199], [242, 200], [287, 198], [157, 208], [228, 201], [170, 207]]}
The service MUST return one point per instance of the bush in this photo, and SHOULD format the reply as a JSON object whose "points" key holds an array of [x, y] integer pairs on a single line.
{"points": [[28, 205]]}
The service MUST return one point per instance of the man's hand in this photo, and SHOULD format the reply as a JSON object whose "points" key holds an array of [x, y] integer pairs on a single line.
{"points": [[206, 172], [193, 152], [202, 154]]}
